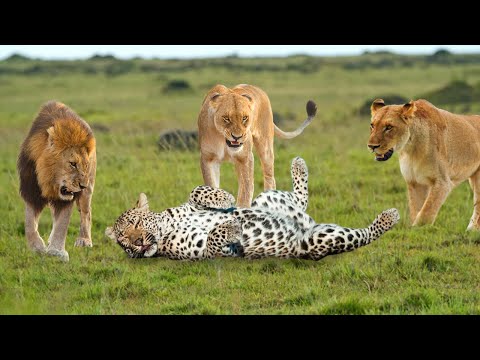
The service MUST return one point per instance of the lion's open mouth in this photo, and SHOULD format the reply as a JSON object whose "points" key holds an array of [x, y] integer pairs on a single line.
{"points": [[385, 156], [64, 191], [233, 144]]}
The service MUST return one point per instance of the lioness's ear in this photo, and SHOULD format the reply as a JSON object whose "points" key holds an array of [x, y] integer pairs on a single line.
{"points": [[408, 110], [376, 105], [214, 96], [51, 136], [109, 232], [142, 203], [248, 97]]}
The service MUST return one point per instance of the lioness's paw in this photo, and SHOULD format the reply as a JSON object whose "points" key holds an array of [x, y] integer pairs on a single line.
{"points": [[81, 241], [62, 254]]}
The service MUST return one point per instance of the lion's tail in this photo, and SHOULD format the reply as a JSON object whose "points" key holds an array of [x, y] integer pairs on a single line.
{"points": [[311, 112]]}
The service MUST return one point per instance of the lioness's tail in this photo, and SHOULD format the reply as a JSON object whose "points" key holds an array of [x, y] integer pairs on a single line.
{"points": [[311, 112]]}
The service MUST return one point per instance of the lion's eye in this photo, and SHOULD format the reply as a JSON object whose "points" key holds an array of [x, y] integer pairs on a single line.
{"points": [[138, 242], [226, 119], [244, 119], [73, 164], [388, 127]]}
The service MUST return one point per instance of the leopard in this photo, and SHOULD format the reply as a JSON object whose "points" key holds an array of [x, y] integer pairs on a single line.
{"points": [[208, 225]]}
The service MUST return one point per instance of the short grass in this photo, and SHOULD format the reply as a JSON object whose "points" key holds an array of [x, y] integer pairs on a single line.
{"points": [[428, 270]]}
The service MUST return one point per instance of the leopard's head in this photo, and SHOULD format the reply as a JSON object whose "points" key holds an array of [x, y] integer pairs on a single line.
{"points": [[130, 233]]}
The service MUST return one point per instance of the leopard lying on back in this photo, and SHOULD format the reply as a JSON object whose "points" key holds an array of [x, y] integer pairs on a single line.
{"points": [[208, 226]]}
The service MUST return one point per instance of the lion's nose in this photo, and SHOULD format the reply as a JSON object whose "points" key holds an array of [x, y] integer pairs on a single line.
{"points": [[373, 147], [236, 137]]}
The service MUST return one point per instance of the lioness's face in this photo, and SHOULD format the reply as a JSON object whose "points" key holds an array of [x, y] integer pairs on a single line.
{"points": [[389, 129], [74, 172], [233, 118]]}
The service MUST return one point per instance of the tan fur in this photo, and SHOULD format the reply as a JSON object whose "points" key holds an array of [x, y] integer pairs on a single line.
{"points": [[59, 152], [243, 111], [437, 151]]}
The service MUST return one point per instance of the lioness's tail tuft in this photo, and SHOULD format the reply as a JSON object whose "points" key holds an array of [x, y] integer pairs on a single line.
{"points": [[311, 108]]}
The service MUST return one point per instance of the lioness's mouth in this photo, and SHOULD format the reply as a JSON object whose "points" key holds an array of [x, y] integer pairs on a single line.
{"points": [[234, 143], [385, 156]]}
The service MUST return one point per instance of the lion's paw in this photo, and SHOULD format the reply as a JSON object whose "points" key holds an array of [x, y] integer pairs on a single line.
{"points": [[81, 241]]}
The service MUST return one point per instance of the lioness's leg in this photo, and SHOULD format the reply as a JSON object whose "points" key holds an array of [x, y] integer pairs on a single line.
{"points": [[34, 240], [210, 170], [475, 184], [417, 194], [56, 241], [436, 197], [267, 159], [244, 170], [84, 206]]}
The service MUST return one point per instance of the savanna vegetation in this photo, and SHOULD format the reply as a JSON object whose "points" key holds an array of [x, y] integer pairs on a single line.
{"points": [[131, 103]]}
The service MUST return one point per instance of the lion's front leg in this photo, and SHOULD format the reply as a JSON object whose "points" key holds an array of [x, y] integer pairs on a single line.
{"points": [[34, 240], [61, 214], [84, 204], [244, 170]]}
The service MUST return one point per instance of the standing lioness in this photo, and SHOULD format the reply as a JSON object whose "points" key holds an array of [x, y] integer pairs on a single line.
{"points": [[230, 123], [437, 150]]}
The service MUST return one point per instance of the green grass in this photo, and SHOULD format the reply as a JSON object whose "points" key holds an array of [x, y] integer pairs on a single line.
{"points": [[428, 270]]}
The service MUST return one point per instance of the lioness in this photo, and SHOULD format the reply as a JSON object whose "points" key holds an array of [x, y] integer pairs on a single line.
{"points": [[57, 165], [230, 123], [437, 150]]}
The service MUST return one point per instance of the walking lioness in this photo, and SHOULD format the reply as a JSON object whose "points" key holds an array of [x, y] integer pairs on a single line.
{"points": [[230, 123], [437, 150]]}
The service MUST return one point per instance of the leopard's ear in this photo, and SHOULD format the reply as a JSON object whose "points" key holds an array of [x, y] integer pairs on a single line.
{"points": [[109, 232], [142, 203]]}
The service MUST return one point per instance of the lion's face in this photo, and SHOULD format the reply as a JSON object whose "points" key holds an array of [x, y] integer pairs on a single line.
{"points": [[233, 117], [65, 162], [73, 172], [389, 128]]}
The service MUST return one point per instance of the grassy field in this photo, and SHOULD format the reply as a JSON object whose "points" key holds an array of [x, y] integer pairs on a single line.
{"points": [[428, 270]]}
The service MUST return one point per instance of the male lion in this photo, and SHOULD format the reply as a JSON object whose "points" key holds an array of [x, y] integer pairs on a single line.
{"points": [[437, 150], [230, 123], [57, 165]]}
